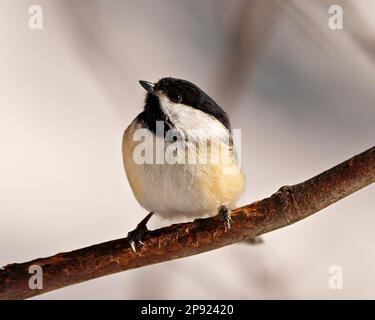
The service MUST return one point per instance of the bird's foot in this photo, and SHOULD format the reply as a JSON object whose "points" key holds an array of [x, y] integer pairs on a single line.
{"points": [[135, 236], [224, 213]]}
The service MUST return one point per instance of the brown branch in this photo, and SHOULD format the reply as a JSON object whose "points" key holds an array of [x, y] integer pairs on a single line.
{"points": [[288, 205]]}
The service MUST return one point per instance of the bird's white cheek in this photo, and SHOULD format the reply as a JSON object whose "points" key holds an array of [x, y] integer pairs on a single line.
{"points": [[193, 123]]}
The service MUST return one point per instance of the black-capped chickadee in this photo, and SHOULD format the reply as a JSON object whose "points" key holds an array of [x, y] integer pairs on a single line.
{"points": [[179, 155]]}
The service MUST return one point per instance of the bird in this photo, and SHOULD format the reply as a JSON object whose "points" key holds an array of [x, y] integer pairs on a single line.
{"points": [[179, 156]]}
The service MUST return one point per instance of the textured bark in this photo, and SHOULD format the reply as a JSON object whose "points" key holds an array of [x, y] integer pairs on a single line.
{"points": [[288, 205]]}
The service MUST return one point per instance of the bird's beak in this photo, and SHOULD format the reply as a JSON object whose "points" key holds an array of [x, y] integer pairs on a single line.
{"points": [[148, 86]]}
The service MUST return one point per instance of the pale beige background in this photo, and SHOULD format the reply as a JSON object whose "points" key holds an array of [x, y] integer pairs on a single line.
{"points": [[302, 94]]}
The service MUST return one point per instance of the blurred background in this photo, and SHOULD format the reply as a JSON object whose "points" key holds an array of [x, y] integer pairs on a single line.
{"points": [[302, 94]]}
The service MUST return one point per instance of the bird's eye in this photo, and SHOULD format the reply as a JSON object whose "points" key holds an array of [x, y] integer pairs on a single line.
{"points": [[177, 99]]}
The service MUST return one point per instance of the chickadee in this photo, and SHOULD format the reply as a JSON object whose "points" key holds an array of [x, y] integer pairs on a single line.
{"points": [[180, 118]]}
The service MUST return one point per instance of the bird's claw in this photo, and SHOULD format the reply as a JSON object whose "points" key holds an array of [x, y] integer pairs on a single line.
{"points": [[132, 244], [135, 236], [224, 213]]}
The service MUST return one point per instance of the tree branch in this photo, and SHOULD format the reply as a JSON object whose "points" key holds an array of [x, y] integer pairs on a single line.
{"points": [[288, 205]]}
